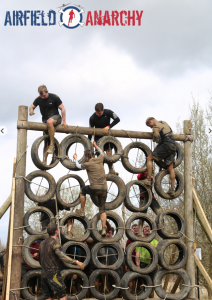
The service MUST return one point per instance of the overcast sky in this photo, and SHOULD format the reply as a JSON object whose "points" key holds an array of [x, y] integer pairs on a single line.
{"points": [[137, 71]]}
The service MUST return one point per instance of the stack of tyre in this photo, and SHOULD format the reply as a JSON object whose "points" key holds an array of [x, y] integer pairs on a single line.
{"points": [[97, 258]]}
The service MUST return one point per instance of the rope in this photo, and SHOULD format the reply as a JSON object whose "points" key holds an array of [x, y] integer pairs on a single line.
{"points": [[19, 289], [30, 181], [119, 287], [14, 293], [87, 287], [21, 227], [185, 236], [76, 296], [20, 158], [25, 247]]}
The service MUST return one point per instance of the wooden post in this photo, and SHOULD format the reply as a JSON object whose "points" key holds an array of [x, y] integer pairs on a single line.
{"points": [[188, 200], [19, 204]]}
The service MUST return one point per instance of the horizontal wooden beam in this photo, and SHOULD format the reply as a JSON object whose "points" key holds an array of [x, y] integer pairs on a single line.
{"points": [[97, 131]]}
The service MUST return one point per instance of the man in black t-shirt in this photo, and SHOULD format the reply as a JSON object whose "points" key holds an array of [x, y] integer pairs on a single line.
{"points": [[101, 119], [49, 104]]}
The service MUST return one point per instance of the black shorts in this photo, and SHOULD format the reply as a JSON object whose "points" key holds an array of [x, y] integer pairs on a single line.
{"points": [[53, 285], [57, 119], [165, 152], [98, 196]]}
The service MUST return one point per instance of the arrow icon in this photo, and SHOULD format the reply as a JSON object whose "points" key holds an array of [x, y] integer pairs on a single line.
{"points": [[3, 130]]}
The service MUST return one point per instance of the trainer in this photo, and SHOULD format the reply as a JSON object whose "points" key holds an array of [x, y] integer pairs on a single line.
{"points": [[101, 119], [50, 254], [49, 104]]}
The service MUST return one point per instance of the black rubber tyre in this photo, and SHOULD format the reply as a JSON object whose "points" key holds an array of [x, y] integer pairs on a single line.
{"points": [[118, 222], [97, 294], [24, 283], [125, 160], [148, 195], [118, 148], [35, 157], [180, 156], [178, 189], [59, 184], [153, 252], [121, 193], [80, 245], [177, 296], [98, 264], [85, 222], [163, 232], [49, 194], [150, 222], [67, 143], [131, 276], [81, 294], [33, 210], [182, 258], [26, 251]]}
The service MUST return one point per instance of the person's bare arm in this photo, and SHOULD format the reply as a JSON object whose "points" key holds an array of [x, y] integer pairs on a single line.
{"points": [[65, 258], [31, 109], [156, 134], [63, 111], [90, 240], [137, 259]]}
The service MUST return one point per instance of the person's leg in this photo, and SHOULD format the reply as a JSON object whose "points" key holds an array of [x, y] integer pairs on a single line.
{"points": [[147, 181], [70, 223], [51, 130], [103, 217], [108, 148], [45, 154], [172, 178]]}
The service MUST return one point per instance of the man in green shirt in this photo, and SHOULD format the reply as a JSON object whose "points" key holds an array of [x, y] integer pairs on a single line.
{"points": [[143, 257]]}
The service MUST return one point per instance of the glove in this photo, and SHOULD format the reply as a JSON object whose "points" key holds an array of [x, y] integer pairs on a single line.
{"points": [[65, 126]]}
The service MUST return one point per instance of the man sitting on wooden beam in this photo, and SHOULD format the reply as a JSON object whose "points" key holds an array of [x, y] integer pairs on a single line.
{"points": [[101, 119], [49, 104], [98, 184], [165, 150]]}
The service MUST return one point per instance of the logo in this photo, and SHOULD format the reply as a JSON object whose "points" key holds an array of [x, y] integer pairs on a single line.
{"points": [[71, 17], [3, 130]]}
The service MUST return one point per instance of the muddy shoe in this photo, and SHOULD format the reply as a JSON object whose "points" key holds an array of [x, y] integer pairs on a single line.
{"points": [[171, 191], [147, 182], [111, 171], [50, 149], [81, 213], [104, 232]]}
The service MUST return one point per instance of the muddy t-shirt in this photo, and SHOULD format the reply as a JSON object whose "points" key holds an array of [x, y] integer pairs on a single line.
{"points": [[49, 106], [96, 173], [162, 133]]}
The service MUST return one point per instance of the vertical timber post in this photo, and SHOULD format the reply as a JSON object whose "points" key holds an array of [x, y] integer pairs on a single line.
{"points": [[19, 204], [188, 202]]}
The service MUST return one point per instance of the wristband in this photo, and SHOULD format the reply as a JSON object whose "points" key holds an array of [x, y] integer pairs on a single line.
{"points": [[76, 262], [96, 146], [108, 126], [64, 122]]}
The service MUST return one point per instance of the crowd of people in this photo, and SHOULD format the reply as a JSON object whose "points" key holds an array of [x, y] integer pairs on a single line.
{"points": [[49, 252]]}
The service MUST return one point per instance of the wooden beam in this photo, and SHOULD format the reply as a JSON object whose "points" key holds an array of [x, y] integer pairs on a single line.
{"points": [[9, 264], [188, 200], [5, 206], [98, 131], [19, 204], [203, 271], [201, 216]]}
